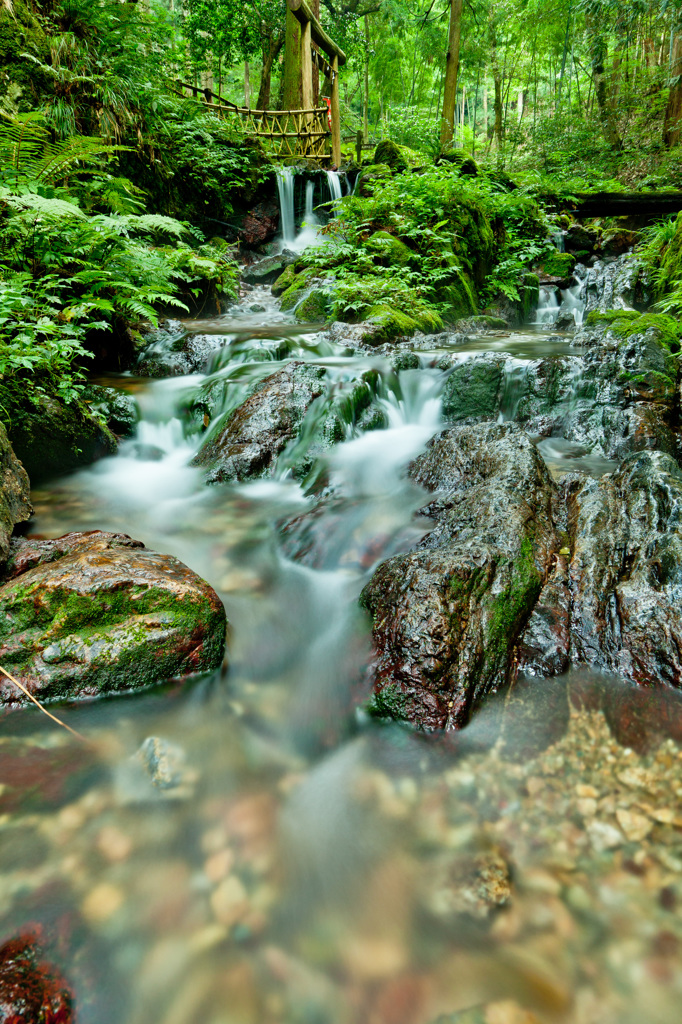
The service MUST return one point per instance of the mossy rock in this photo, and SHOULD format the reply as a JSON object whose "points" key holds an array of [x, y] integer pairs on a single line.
{"points": [[96, 612], [473, 246], [459, 158], [293, 294], [559, 264], [458, 297], [23, 83], [625, 323], [389, 323], [15, 493], [472, 391], [53, 438], [529, 293], [389, 250], [315, 307], [284, 281], [392, 155], [372, 174]]}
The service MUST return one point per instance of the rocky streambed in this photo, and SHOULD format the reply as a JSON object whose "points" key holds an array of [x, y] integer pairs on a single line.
{"points": [[440, 781]]}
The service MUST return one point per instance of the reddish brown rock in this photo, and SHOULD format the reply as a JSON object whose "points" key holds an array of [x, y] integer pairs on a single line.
{"points": [[31, 991], [260, 224]]}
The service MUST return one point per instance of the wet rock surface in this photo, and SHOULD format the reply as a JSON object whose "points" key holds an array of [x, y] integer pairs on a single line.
{"points": [[447, 614], [626, 571], [31, 991], [52, 437], [98, 612], [15, 505], [250, 441]]}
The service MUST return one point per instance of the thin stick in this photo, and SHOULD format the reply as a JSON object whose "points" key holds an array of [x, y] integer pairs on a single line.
{"points": [[39, 705]]}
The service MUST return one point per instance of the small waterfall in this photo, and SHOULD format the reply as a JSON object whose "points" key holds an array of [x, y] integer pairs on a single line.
{"points": [[310, 229], [285, 186], [548, 307], [334, 182], [513, 389], [573, 302]]}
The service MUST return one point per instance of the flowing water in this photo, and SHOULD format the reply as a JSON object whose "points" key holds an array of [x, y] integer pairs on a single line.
{"points": [[286, 860]]}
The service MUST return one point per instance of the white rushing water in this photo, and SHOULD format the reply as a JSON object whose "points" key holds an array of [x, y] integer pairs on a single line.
{"points": [[334, 182]]}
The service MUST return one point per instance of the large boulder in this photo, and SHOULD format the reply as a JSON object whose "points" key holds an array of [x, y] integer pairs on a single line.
{"points": [[249, 441], [446, 615], [626, 571], [15, 505], [97, 612]]}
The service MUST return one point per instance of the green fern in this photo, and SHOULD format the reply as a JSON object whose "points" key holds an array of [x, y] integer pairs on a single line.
{"points": [[28, 154]]}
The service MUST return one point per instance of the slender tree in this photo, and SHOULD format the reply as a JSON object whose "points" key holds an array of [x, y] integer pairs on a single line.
{"points": [[451, 73]]}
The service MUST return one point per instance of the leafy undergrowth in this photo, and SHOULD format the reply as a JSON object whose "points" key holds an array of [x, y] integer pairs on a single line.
{"points": [[419, 248], [83, 259]]}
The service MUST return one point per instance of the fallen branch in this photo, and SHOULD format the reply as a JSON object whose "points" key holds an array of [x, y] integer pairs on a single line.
{"points": [[39, 705]]}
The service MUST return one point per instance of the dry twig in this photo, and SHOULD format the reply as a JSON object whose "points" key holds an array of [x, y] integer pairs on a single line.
{"points": [[39, 705]]}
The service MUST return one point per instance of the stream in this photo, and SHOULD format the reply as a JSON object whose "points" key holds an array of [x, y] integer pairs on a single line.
{"points": [[252, 847]]}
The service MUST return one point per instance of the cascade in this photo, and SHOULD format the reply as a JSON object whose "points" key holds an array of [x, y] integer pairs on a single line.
{"points": [[285, 186], [310, 228], [548, 307], [334, 182]]}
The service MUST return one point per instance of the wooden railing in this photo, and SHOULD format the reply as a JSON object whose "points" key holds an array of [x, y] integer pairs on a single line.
{"points": [[287, 133], [313, 133]]}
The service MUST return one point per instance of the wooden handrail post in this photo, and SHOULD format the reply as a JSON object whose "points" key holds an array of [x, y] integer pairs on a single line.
{"points": [[336, 114]]}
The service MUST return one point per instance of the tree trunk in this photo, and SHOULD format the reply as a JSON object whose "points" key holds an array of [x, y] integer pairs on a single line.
{"points": [[291, 97], [365, 98], [598, 52], [247, 85], [451, 73], [672, 130], [271, 47]]}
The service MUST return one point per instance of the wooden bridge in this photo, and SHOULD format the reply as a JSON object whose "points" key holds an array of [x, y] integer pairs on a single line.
{"points": [[310, 133]]}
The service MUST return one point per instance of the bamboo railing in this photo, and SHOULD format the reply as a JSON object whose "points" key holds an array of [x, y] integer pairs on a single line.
{"points": [[303, 134]]}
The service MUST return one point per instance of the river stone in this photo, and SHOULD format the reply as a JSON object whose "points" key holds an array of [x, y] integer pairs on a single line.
{"points": [[96, 612], [15, 506], [248, 443], [626, 571], [446, 615]]}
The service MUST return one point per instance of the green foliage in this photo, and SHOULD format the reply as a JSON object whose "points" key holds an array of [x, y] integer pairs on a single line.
{"points": [[201, 165]]}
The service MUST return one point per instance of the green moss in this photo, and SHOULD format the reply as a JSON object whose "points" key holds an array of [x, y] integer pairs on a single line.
{"points": [[370, 176], [394, 323], [23, 83], [284, 281], [625, 323], [559, 264], [389, 702], [458, 297], [315, 307], [511, 608], [398, 158], [389, 250], [529, 292], [292, 296]]}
